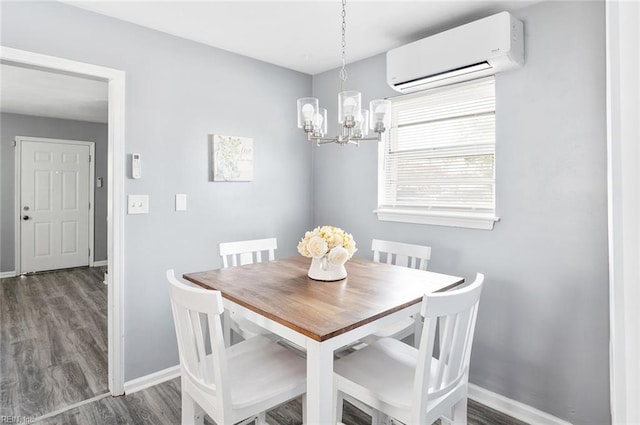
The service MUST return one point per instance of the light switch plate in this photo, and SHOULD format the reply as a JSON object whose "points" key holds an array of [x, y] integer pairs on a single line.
{"points": [[181, 202], [138, 204]]}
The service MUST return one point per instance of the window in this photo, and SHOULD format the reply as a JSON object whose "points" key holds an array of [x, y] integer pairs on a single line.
{"points": [[437, 163]]}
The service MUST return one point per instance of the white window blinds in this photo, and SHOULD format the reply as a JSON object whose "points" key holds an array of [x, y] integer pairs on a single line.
{"points": [[439, 152]]}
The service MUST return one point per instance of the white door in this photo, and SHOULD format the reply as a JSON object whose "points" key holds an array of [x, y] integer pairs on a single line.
{"points": [[54, 205]]}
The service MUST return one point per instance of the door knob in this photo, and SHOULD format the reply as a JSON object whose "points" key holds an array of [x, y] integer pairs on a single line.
{"points": [[25, 217]]}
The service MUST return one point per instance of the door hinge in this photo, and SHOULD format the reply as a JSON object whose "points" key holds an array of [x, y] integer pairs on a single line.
{"points": [[89, 252], [14, 143], [89, 205], [89, 158]]}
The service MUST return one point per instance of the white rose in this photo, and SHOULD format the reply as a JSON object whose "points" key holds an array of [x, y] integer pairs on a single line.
{"points": [[337, 240], [338, 256], [302, 248], [317, 247]]}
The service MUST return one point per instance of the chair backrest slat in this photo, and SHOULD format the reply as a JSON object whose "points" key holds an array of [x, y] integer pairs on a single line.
{"points": [[247, 252], [401, 254], [454, 313], [402, 260]]}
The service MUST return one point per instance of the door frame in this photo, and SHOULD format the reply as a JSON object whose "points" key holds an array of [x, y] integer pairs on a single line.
{"points": [[116, 172], [623, 160], [18, 192]]}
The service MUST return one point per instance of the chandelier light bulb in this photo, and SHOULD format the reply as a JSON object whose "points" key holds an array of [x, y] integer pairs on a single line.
{"points": [[320, 122], [307, 112], [349, 105], [362, 123], [317, 120]]}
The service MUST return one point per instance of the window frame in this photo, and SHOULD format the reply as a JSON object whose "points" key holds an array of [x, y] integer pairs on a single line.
{"points": [[466, 218]]}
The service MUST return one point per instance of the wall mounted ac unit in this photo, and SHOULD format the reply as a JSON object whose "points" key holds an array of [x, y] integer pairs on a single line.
{"points": [[473, 50]]}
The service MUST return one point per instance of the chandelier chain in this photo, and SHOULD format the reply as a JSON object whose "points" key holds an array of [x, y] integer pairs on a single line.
{"points": [[343, 71]]}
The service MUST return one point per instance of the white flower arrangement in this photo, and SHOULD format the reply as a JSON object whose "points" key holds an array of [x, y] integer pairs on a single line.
{"points": [[329, 243]]}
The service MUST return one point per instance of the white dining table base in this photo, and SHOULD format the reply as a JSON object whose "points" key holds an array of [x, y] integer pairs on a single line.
{"points": [[320, 403]]}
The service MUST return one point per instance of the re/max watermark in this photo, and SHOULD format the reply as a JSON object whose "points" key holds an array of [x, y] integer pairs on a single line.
{"points": [[16, 419]]}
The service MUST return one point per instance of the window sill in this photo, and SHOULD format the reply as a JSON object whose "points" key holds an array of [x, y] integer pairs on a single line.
{"points": [[468, 220]]}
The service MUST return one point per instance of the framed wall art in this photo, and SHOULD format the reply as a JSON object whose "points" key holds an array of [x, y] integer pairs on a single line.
{"points": [[231, 159]]}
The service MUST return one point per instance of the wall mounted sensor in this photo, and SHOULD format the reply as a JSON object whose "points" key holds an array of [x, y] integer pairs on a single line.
{"points": [[136, 166]]}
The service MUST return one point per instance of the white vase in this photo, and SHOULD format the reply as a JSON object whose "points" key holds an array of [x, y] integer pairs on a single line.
{"points": [[321, 269]]}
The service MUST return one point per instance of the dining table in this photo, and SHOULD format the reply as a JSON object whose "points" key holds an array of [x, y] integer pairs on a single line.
{"points": [[322, 317]]}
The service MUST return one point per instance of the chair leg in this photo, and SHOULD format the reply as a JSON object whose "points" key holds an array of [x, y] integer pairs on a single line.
{"points": [[417, 330], [189, 410], [388, 420], [339, 400], [376, 418], [459, 416], [255, 420], [444, 420], [379, 418], [262, 418], [226, 327], [200, 418], [304, 408]]}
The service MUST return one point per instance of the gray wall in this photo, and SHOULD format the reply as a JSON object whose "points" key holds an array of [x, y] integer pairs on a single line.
{"points": [[542, 334], [12, 125], [177, 94]]}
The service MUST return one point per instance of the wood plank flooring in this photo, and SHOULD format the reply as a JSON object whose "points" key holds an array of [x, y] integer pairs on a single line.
{"points": [[160, 405], [53, 340]]}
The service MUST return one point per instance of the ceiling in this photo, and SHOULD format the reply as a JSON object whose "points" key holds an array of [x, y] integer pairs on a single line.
{"points": [[301, 35], [295, 34], [48, 94]]}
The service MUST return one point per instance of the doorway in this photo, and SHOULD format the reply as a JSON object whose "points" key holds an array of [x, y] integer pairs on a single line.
{"points": [[54, 204], [115, 187]]}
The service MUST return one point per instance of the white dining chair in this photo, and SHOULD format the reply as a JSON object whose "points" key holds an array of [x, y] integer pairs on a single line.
{"points": [[229, 384], [240, 253], [406, 255], [401, 254], [417, 386]]}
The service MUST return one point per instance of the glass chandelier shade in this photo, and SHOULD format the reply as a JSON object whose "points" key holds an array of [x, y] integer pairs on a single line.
{"points": [[349, 106], [320, 122], [380, 113], [362, 124], [307, 108]]}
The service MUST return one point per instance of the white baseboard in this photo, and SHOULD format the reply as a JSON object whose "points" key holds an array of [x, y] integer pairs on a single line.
{"points": [[513, 408], [100, 263], [152, 379], [7, 274]]}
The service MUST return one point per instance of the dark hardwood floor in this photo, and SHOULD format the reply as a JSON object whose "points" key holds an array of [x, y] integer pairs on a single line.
{"points": [[53, 341], [160, 405]]}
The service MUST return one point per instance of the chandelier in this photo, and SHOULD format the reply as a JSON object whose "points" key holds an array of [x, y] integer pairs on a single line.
{"points": [[354, 120]]}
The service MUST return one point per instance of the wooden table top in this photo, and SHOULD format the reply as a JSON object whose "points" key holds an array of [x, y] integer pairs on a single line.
{"points": [[281, 291]]}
